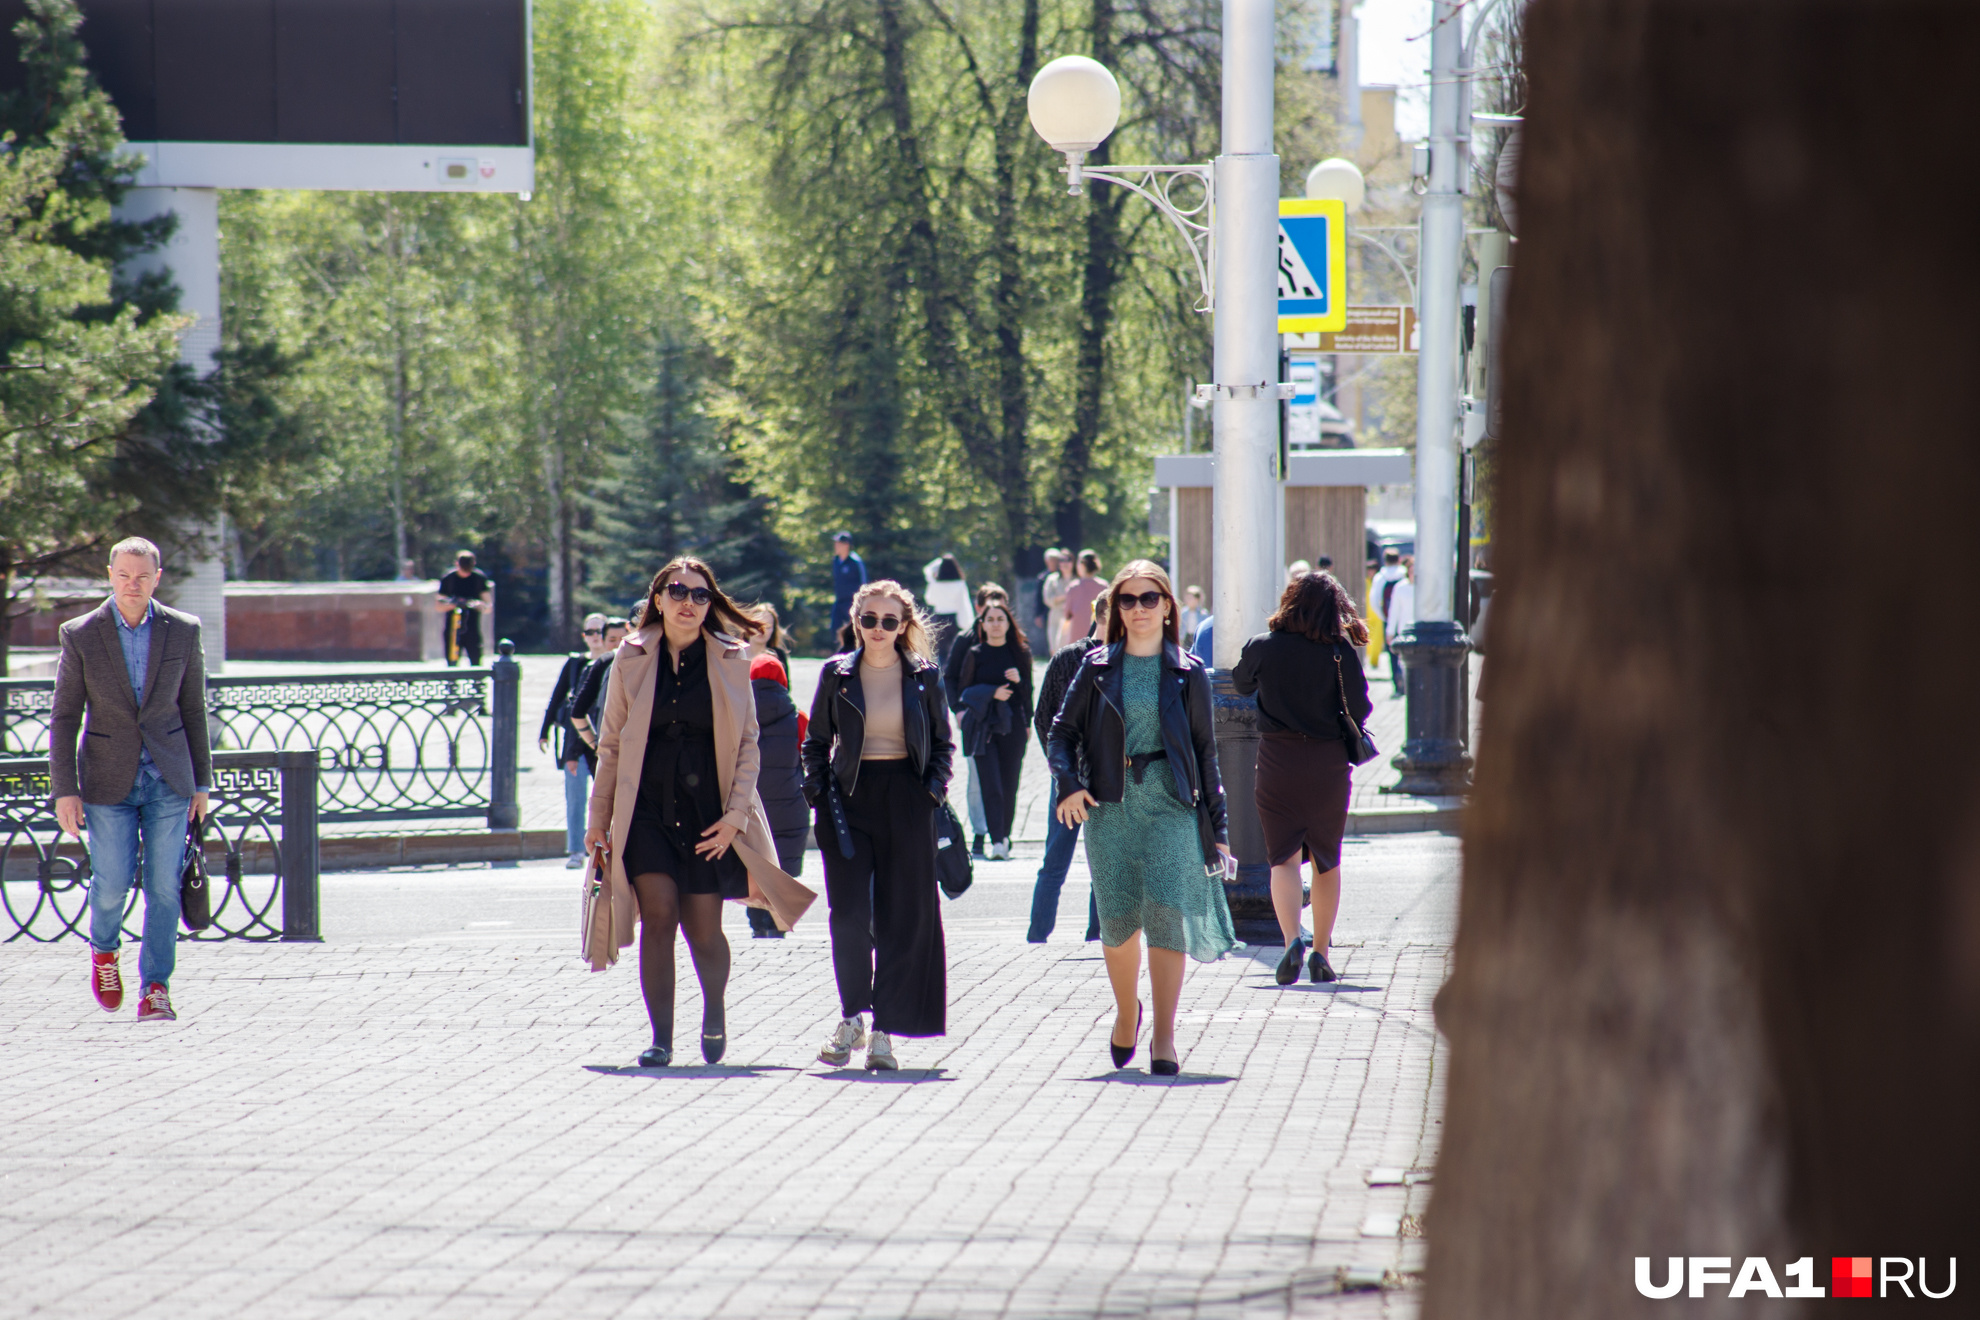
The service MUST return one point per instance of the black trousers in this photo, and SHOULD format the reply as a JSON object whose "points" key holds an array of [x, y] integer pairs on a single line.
{"points": [[997, 771], [887, 950]]}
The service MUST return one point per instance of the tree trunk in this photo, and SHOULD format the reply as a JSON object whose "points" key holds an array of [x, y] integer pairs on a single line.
{"points": [[1717, 985], [1096, 318]]}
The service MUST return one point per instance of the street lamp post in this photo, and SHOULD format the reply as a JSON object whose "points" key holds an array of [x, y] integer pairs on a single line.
{"points": [[1233, 233], [1433, 760]]}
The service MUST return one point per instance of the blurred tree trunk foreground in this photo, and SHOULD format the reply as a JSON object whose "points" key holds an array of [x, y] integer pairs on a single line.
{"points": [[1717, 985]]}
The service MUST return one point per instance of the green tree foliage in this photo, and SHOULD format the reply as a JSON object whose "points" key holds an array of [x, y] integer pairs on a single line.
{"points": [[78, 363]]}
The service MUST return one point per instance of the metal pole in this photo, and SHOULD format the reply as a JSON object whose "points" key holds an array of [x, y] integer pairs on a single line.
{"points": [[503, 813], [302, 919], [1245, 435], [1433, 759]]}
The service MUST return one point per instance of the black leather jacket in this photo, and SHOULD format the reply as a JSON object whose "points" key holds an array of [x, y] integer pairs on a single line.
{"points": [[1090, 723], [838, 726]]}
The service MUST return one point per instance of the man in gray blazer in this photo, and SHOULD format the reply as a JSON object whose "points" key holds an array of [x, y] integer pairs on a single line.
{"points": [[132, 681]]}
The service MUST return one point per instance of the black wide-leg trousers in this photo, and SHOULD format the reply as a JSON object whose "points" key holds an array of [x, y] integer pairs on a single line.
{"points": [[997, 769], [887, 949]]}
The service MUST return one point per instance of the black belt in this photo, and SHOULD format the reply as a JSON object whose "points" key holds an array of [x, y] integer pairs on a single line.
{"points": [[1140, 762]]}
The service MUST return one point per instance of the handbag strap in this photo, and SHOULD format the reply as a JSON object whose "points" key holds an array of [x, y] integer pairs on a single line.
{"points": [[1354, 726]]}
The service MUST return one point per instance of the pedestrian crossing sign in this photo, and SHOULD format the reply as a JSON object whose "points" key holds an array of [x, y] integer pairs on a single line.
{"points": [[1312, 265]]}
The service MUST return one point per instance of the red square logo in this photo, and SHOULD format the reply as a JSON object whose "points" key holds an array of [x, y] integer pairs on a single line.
{"points": [[1849, 1276]]}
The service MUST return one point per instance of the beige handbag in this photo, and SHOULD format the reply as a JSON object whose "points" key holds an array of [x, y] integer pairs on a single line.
{"points": [[595, 936]]}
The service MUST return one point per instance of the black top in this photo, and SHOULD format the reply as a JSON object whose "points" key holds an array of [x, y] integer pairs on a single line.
{"points": [[982, 663], [458, 588], [680, 744], [556, 714], [1059, 673], [587, 697], [1298, 692]]}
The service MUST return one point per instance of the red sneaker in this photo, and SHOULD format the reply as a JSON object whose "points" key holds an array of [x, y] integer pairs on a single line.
{"points": [[156, 1006], [105, 981]]}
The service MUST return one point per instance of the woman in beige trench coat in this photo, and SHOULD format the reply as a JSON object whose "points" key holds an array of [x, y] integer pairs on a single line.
{"points": [[675, 797]]}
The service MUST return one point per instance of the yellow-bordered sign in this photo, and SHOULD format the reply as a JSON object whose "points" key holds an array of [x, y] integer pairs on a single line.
{"points": [[1312, 265]]}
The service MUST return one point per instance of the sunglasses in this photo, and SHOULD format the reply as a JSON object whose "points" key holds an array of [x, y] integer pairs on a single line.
{"points": [[1147, 600], [885, 623], [594, 632], [679, 591]]}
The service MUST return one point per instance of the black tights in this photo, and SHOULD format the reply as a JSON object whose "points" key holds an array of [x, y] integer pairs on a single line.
{"points": [[662, 909]]}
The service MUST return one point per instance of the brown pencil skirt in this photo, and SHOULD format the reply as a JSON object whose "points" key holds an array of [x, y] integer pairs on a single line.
{"points": [[1302, 790]]}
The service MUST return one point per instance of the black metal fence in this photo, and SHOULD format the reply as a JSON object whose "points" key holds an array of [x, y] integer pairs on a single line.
{"points": [[261, 838], [389, 744]]}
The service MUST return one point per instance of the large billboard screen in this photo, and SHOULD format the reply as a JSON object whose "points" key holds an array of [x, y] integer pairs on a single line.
{"points": [[420, 94]]}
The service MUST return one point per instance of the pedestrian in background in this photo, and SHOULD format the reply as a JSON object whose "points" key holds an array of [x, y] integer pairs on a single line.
{"points": [[1060, 838], [993, 698], [1401, 616], [1193, 614], [780, 779], [1056, 584], [773, 640], [570, 748], [979, 824], [1088, 587], [848, 576], [588, 699], [1380, 585], [1134, 757], [1306, 671], [1296, 570], [1037, 614], [877, 757], [465, 595], [947, 601], [131, 682], [676, 796]]}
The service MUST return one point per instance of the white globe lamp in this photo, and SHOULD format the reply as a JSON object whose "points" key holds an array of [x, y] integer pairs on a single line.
{"points": [[1074, 104], [1335, 178]]}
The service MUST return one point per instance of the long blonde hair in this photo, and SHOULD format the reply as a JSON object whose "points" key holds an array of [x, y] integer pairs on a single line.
{"points": [[913, 637]]}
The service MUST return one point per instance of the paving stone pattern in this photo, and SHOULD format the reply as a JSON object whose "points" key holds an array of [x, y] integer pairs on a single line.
{"points": [[432, 1115]]}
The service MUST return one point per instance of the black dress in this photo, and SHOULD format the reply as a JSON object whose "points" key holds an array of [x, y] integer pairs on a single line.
{"points": [[680, 793]]}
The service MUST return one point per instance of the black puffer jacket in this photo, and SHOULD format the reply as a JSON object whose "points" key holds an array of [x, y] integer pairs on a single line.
{"points": [[1091, 724], [780, 780], [838, 727]]}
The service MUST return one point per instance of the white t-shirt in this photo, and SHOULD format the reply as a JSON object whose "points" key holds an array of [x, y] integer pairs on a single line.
{"points": [[1402, 609], [948, 597], [1383, 576]]}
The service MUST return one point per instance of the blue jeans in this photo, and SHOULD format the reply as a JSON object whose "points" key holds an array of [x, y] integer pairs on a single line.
{"points": [[152, 819], [577, 800], [1060, 840], [977, 823]]}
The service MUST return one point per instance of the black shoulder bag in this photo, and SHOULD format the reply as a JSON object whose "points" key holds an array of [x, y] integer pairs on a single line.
{"points": [[1360, 747]]}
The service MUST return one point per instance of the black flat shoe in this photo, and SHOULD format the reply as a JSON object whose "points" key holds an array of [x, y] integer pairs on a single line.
{"points": [[1288, 969], [1164, 1067], [1318, 968], [1123, 1053], [712, 1047], [659, 1056]]}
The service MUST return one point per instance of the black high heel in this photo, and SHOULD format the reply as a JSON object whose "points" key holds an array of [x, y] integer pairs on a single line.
{"points": [[1288, 969], [1123, 1053], [713, 1047], [656, 1056], [1318, 968], [1164, 1067]]}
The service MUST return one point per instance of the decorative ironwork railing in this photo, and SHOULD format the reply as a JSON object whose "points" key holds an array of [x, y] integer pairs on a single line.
{"points": [[261, 851], [390, 744]]}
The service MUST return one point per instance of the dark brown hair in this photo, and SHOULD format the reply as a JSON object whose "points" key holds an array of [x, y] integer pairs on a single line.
{"points": [[721, 610], [996, 598], [1141, 568], [1318, 608]]}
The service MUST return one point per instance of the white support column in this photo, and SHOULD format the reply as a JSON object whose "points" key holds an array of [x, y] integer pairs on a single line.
{"points": [[1246, 436], [193, 584]]}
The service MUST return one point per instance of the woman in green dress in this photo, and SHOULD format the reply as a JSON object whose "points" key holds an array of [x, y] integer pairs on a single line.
{"points": [[1134, 759]]}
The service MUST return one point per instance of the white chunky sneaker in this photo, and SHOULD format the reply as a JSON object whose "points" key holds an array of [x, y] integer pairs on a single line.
{"points": [[574, 861], [880, 1054], [848, 1036], [1001, 852]]}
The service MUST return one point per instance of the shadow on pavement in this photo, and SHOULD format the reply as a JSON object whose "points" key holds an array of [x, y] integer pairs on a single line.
{"points": [[716, 1070], [901, 1077], [1135, 1077], [1324, 988]]}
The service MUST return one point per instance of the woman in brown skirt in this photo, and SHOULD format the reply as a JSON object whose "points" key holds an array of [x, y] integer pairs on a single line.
{"points": [[1307, 674]]}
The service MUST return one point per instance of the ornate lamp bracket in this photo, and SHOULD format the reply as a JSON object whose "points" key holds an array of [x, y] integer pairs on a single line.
{"points": [[1195, 222]]}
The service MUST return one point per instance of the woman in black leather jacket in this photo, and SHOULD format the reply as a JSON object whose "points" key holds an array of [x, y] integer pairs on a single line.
{"points": [[1150, 795], [876, 765]]}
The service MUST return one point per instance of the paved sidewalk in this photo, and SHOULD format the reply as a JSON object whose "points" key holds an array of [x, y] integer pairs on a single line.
{"points": [[433, 1114]]}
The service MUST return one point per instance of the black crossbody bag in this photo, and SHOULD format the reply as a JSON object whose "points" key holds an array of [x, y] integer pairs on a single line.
{"points": [[1360, 747], [195, 889]]}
